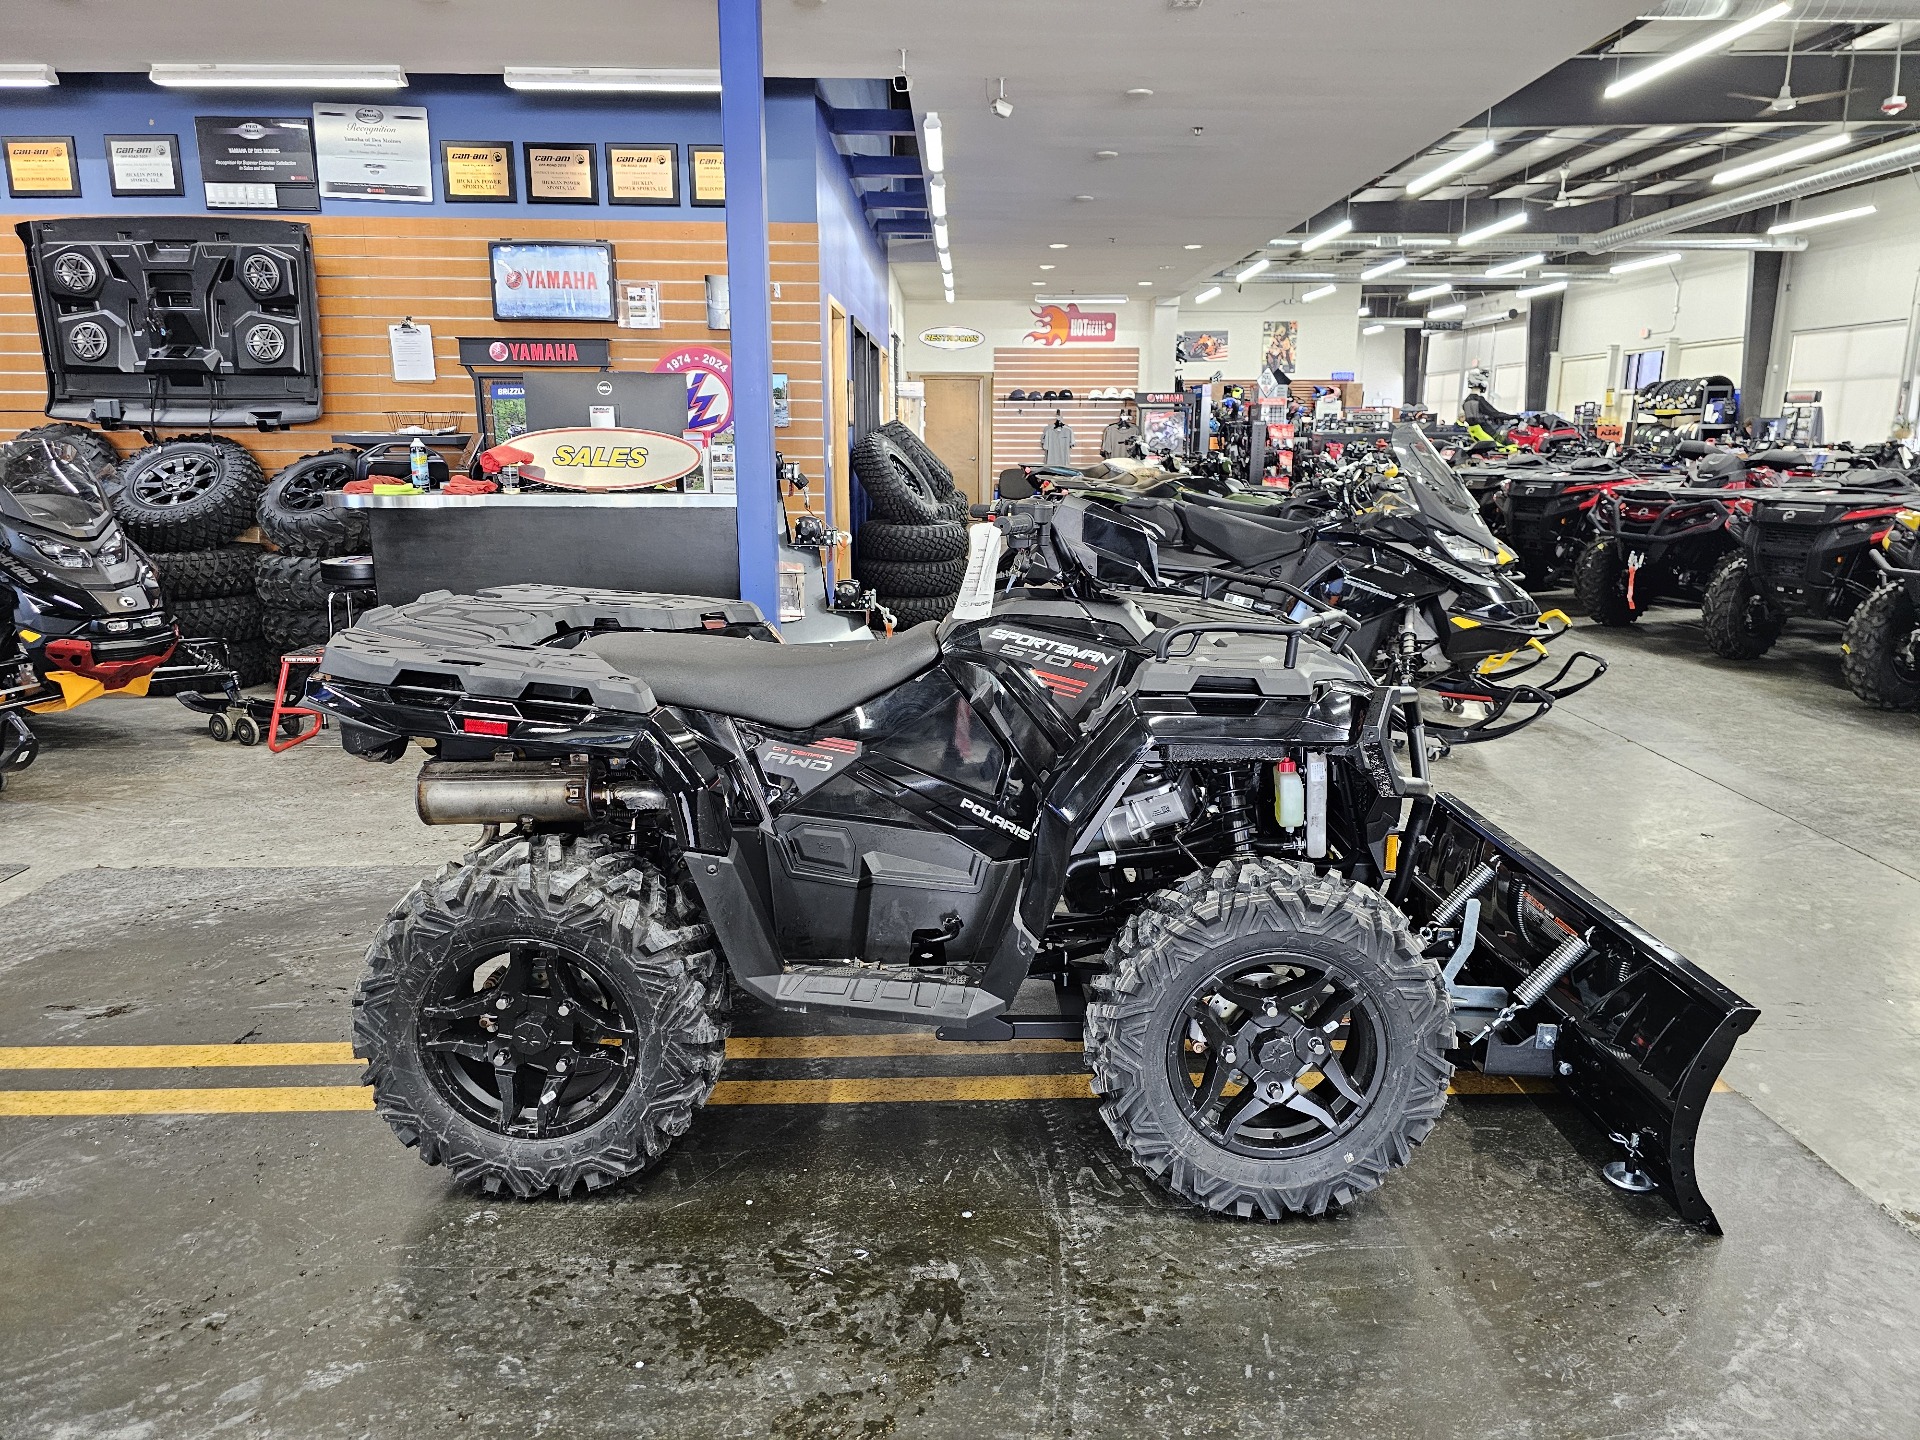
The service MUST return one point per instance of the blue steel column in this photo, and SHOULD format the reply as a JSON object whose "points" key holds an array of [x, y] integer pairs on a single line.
{"points": [[743, 133]]}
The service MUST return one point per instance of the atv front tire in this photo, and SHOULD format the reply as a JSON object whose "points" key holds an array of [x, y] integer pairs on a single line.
{"points": [[603, 964], [187, 494], [912, 544], [294, 513], [1600, 585], [1883, 650], [1738, 624], [1189, 983]]}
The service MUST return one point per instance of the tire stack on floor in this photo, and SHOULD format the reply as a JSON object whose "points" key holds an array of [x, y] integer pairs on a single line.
{"points": [[912, 552], [295, 517], [185, 502]]}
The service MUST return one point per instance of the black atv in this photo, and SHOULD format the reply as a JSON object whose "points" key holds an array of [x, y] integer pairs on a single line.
{"points": [[82, 598], [1659, 542], [1192, 817], [1882, 641], [1806, 553]]}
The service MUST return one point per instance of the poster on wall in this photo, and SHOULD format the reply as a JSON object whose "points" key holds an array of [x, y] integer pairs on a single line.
{"points": [[782, 402], [1070, 325], [41, 166], [373, 152], [707, 174], [1197, 346], [477, 171], [1279, 350], [709, 375], [551, 280], [144, 165], [566, 174], [257, 163], [643, 174], [642, 301]]}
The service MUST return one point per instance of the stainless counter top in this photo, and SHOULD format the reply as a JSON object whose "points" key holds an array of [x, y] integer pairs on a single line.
{"points": [[554, 500]]}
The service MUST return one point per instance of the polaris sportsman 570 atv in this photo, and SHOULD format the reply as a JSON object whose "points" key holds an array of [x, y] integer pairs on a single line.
{"points": [[1286, 939], [83, 599], [1882, 639]]}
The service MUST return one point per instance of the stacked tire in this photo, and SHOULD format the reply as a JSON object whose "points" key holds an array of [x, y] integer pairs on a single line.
{"points": [[912, 551], [186, 502], [294, 515]]}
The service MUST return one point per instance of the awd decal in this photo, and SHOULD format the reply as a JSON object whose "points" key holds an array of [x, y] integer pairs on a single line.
{"points": [[810, 764]]}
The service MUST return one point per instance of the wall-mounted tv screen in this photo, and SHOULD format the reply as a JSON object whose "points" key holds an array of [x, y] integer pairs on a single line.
{"points": [[552, 279]]}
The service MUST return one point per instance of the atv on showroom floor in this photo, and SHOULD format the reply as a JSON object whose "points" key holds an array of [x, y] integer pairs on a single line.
{"points": [[1191, 816], [1882, 640]]}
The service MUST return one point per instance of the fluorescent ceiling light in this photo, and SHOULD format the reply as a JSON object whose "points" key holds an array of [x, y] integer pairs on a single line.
{"points": [[1814, 222], [1534, 292], [949, 297], [1374, 330], [1212, 292], [1083, 299], [281, 77], [1057, 245], [1429, 292], [1143, 282], [1364, 311], [1497, 227], [1706, 45], [1252, 270], [1332, 232], [1452, 165], [940, 234], [1824, 145], [946, 261], [1385, 267], [933, 152], [1318, 294], [1514, 267], [937, 197], [27, 77], [1447, 312], [1279, 242], [1189, 247], [657, 82], [1645, 262]]}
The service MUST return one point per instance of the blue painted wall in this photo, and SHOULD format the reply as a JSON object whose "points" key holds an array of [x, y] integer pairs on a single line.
{"points": [[853, 268], [91, 107]]}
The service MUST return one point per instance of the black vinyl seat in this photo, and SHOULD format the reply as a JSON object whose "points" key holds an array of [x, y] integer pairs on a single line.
{"points": [[793, 687], [1246, 539]]}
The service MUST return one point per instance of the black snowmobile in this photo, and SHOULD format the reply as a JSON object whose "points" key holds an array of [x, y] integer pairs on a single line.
{"points": [[1882, 640], [1806, 552], [1192, 816], [20, 687], [1395, 542], [82, 598]]}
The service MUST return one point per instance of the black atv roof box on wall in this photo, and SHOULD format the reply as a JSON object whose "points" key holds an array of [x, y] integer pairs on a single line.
{"points": [[176, 320]]}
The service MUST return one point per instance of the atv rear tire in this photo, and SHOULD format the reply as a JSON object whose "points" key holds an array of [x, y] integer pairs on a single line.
{"points": [[1253, 919], [187, 494], [1600, 585], [95, 448], [1883, 650], [294, 513], [911, 610], [230, 617], [898, 487], [288, 630], [931, 465], [290, 582], [206, 574], [941, 577], [600, 918], [1737, 622], [911, 544]]}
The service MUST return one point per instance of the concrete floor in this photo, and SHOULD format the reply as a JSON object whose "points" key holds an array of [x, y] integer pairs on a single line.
{"points": [[978, 1268]]}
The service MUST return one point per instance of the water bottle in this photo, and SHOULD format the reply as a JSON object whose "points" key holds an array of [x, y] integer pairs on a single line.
{"points": [[417, 457]]}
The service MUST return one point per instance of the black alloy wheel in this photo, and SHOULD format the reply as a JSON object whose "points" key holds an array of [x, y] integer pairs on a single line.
{"points": [[307, 488], [528, 1039], [177, 479], [1277, 1056]]}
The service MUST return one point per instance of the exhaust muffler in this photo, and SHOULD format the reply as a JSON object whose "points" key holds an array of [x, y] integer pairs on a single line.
{"points": [[512, 792]]}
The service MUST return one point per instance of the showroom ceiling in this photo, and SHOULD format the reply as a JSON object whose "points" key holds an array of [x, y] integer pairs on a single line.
{"points": [[1294, 103]]}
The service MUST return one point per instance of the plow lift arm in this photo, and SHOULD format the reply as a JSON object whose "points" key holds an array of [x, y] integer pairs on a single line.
{"points": [[1548, 979]]}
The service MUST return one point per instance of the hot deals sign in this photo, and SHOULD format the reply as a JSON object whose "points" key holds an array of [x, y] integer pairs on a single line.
{"points": [[709, 375], [1070, 325]]}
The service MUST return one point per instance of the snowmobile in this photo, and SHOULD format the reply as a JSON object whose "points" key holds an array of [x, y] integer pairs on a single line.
{"points": [[82, 598], [1883, 634], [1396, 543], [1190, 817], [19, 688]]}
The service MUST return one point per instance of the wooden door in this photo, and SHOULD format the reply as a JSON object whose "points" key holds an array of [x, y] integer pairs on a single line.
{"points": [[953, 428]]}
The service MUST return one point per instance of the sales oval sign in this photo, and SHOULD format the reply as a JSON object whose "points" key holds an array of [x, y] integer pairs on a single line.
{"points": [[951, 337], [585, 458]]}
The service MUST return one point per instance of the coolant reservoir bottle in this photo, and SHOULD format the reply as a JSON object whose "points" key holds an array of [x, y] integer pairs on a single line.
{"points": [[1289, 796]]}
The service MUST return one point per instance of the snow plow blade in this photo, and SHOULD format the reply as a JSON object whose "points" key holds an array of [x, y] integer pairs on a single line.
{"points": [[1632, 1032]]}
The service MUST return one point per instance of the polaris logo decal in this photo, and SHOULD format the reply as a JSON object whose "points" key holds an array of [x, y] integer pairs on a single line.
{"points": [[999, 822]]}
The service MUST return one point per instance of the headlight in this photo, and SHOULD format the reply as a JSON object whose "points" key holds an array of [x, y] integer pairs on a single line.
{"points": [[113, 551], [65, 556], [1463, 549]]}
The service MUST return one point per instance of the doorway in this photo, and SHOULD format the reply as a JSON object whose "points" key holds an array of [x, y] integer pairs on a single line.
{"points": [[956, 427]]}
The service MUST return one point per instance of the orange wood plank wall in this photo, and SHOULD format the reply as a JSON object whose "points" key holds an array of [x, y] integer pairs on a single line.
{"points": [[1017, 425]]}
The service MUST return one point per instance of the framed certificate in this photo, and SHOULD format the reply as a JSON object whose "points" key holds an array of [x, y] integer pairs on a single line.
{"points": [[41, 166], [145, 165], [562, 174], [643, 174], [476, 171], [707, 174]]}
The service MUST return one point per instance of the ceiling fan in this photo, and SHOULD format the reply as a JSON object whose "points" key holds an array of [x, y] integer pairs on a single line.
{"points": [[1562, 200], [1786, 100]]}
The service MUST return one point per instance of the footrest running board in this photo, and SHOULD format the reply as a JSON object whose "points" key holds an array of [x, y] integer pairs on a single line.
{"points": [[875, 995]]}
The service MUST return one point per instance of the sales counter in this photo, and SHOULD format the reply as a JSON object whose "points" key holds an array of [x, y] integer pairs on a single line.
{"points": [[661, 541]]}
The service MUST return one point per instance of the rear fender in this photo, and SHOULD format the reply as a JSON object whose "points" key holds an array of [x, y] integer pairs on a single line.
{"points": [[1643, 1033]]}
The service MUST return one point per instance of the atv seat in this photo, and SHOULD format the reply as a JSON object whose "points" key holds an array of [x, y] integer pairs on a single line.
{"points": [[1247, 539], [793, 687]]}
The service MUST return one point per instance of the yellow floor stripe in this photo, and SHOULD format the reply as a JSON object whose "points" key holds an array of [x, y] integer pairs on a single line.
{"points": [[862, 1047], [901, 1088], [211, 1100]]}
